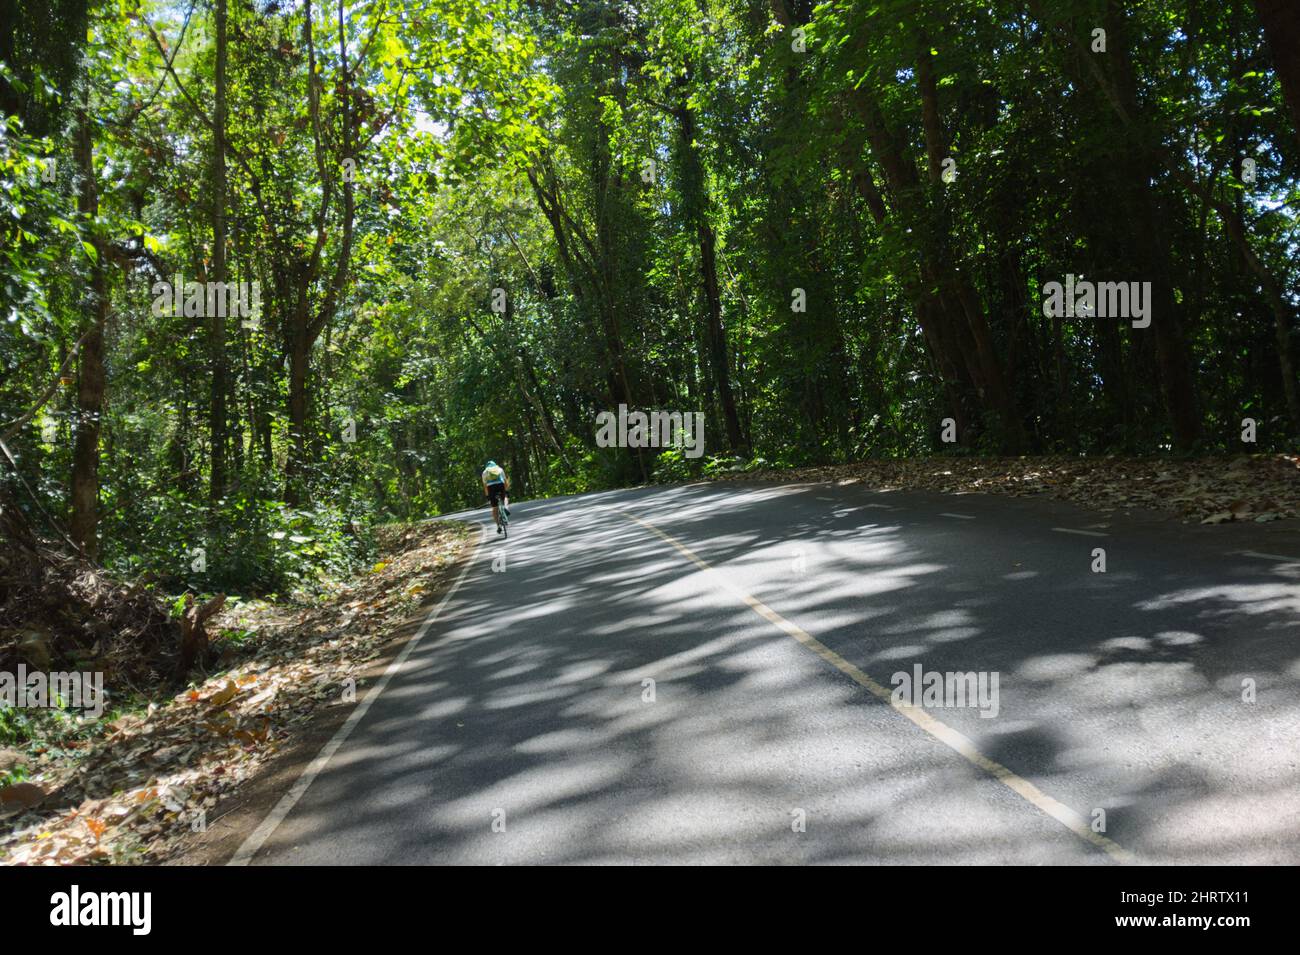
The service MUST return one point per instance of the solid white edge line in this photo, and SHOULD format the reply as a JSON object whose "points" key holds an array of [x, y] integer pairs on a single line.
{"points": [[964, 517], [244, 855], [1071, 530]]}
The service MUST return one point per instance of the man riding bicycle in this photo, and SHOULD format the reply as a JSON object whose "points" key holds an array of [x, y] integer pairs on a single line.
{"points": [[495, 486]]}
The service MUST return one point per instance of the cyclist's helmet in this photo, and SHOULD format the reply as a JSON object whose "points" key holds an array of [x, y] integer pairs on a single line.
{"points": [[490, 464]]}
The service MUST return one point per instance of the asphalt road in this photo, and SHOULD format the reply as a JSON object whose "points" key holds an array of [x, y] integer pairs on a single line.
{"points": [[522, 727]]}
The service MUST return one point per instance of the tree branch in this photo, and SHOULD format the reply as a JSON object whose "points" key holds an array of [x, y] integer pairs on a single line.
{"points": [[16, 425]]}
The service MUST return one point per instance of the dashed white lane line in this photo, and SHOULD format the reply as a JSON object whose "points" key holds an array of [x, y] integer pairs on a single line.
{"points": [[1071, 530], [963, 517], [245, 853], [1254, 553], [941, 731]]}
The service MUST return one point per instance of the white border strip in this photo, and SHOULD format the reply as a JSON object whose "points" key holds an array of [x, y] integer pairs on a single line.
{"points": [[1071, 530], [254, 842], [1257, 554]]}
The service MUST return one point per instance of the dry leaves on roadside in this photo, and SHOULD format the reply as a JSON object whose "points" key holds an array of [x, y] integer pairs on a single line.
{"points": [[1257, 487], [157, 774]]}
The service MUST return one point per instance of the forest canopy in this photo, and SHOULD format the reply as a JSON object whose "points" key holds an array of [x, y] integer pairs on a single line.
{"points": [[275, 272]]}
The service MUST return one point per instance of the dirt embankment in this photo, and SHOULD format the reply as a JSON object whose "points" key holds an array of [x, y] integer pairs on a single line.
{"points": [[130, 789]]}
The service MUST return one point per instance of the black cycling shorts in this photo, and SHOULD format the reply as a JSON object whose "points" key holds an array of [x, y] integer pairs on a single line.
{"points": [[496, 492]]}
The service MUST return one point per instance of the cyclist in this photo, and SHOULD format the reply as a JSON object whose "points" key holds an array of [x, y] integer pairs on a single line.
{"points": [[495, 486]]}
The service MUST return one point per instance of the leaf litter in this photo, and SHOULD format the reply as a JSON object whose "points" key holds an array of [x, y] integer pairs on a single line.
{"points": [[1256, 487], [132, 794]]}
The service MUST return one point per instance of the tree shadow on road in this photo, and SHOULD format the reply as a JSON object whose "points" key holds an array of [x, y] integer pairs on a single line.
{"points": [[529, 705]]}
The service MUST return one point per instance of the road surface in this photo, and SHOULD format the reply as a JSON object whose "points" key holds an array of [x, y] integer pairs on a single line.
{"points": [[703, 674]]}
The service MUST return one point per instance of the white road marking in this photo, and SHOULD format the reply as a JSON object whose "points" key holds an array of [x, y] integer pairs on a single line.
{"points": [[1072, 820], [1252, 553], [290, 799], [964, 517], [1071, 530]]}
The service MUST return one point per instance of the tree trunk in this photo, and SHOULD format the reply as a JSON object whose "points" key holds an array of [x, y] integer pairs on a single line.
{"points": [[960, 328], [1173, 357], [304, 326], [216, 321], [299, 350], [990, 375], [696, 205], [1281, 19], [1150, 245], [91, 381], [718, 337], [1275, 295], [952, 374]]}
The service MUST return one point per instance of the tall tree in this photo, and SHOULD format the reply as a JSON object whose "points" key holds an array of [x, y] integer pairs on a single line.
{"points": [[217, 320], [91, 378]]}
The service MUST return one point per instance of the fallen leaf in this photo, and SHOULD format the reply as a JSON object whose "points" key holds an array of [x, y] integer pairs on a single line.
{"points": [[21, 795], [225, 694]]}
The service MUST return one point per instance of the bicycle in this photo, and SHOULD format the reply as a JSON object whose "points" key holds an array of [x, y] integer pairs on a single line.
{"points": [[502, 517]]}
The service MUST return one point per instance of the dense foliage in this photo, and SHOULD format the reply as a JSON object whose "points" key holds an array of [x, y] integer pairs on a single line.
{"points": [[828, 228]]}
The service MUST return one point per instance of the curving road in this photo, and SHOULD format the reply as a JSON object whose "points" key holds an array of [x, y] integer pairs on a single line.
{"points": [[522, 726]]}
